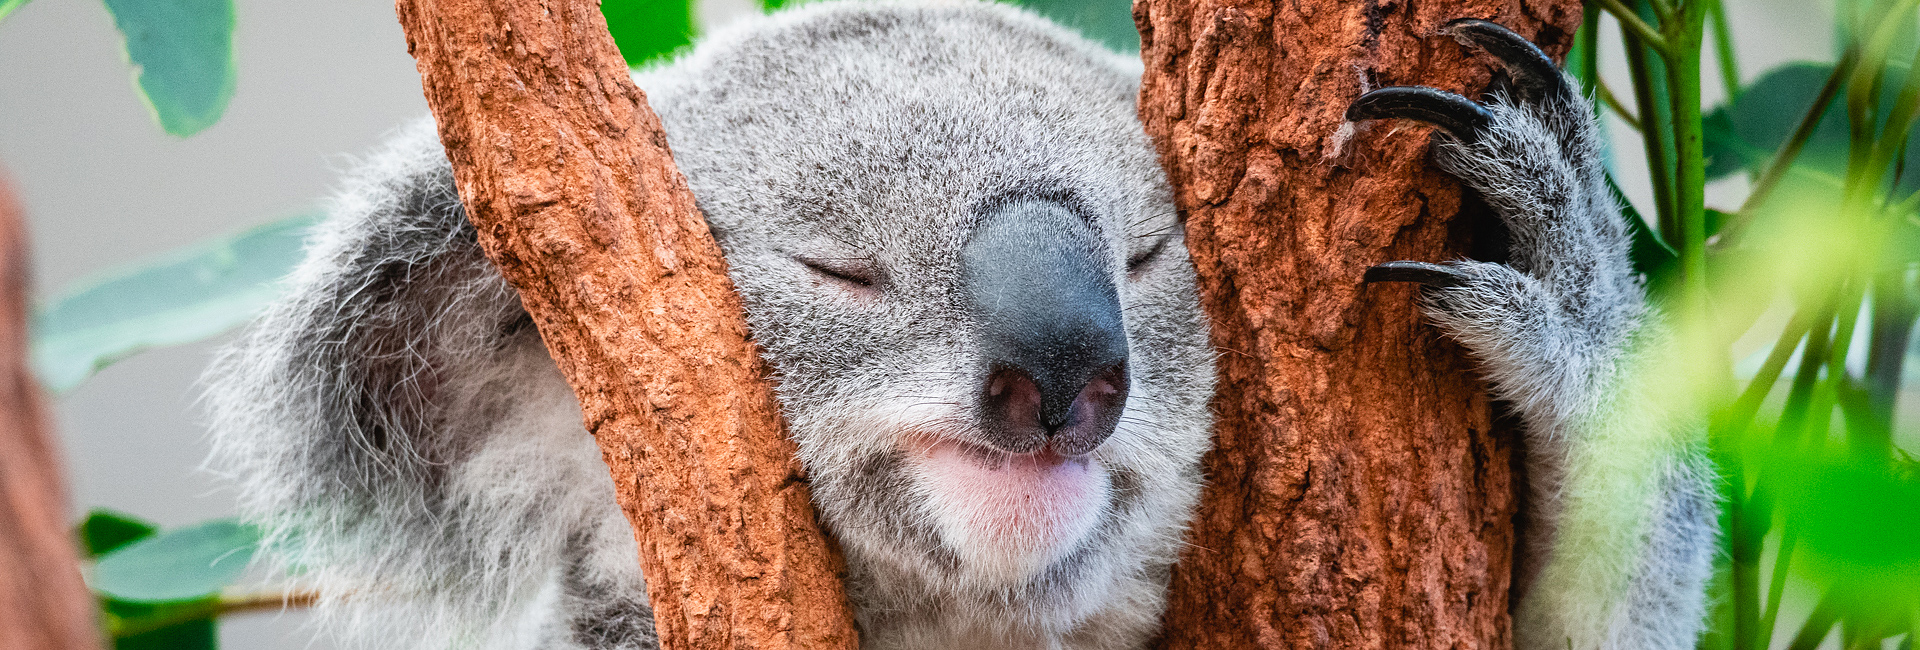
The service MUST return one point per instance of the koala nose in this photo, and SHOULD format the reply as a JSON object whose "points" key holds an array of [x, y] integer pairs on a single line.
{"points": [[1050, 329], [1023, 412]]}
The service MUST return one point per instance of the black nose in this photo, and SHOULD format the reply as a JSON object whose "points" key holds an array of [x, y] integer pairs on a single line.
{"points": [[1050, 329]]}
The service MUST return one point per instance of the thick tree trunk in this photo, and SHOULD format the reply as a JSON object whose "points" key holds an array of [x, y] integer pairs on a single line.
{"points": [[1358, 494], [566, 174], [44, 605]]}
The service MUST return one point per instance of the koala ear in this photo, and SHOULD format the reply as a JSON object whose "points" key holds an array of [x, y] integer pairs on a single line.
{"points": [[398, 316]]}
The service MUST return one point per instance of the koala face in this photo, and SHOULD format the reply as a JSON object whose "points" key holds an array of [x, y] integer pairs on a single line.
{"points": [[961, 257]]}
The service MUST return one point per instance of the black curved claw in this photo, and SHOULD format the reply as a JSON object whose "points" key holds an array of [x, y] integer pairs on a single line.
{"points": [[1535, 77], [1458, 115], [1432, 275]]}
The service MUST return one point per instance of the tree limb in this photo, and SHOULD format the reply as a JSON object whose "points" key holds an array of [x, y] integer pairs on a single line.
{"points": [[566, 175]]}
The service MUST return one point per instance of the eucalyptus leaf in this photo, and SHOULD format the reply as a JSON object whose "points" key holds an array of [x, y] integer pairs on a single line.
{"points": [[1107, 21], [186, 564], [177, 298], [1745, 134], [647, 30], [1856, 520], [182, 57], [135, 628], [105, 531], [7, 7]]}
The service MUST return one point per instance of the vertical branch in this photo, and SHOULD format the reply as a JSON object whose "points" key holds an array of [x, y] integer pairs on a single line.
{"points": [[566, 174], [43, 603], [1358, 495]]}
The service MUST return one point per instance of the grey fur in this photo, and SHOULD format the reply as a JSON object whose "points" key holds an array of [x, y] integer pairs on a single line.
{"points": [[1623, 509], [396, 424]]}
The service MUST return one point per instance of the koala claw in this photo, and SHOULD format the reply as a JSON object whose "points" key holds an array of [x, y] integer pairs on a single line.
{"points": [[1427, 274], [1535, 77], [1460, 116]]}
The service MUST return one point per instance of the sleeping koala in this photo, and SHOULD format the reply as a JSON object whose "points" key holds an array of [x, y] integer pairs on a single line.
{"points": [[958, 252]]}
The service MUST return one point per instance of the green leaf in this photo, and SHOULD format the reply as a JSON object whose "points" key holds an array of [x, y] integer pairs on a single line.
{"points": [[177, 298], [1856, 520], [1651, 255], [134, 625], [647, 30], [105, 531], [1107, 21], [1745, 134], [182, 57], [7, 7], [186, 564]]}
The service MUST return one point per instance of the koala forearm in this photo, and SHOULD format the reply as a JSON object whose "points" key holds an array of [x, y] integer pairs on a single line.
{"points": [[1622, 511]]}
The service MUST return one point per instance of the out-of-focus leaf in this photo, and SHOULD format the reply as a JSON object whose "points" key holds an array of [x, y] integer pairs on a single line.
{"points": [[1745, 134], [1856, 520], [647, 30], [199, 632], [7, 7], [186, 564], [182, 57], [177, 298], [105, 531], [1106, 21], [1651, 255]]}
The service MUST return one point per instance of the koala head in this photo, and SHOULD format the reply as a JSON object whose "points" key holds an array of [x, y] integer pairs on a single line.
{"points": [[960, 255]]}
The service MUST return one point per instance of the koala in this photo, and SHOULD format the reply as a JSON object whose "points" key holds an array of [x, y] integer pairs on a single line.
{"points": [[960, 256]]}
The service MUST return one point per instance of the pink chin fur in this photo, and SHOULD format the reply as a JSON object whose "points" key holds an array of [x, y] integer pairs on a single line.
{"points": [[1016, 512]]}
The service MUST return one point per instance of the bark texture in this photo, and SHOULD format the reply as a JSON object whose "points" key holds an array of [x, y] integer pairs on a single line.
{"points": [[44, 605], [566, 174], [1359, 495]]}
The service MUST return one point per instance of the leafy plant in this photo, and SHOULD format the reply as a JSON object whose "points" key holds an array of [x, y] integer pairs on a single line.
{"points": [[180, 297], [1814, 486], [164, 590]]}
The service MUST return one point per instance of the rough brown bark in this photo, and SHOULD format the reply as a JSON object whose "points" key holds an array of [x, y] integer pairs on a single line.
{"points": [[1358, 495], [566, 174], [44, 605]]}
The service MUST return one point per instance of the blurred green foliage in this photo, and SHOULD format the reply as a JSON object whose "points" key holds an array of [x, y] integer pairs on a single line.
{"points": [[182, 57], [1822, 257], [176, 298], [163, 590]]}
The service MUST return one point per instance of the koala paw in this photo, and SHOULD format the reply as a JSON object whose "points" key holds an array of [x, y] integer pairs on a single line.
{"points": [[1549, 323]]}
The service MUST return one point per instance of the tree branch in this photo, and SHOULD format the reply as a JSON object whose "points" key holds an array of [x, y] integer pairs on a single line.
{"points": [[1359, 494], [566, 175], [44, 605]]}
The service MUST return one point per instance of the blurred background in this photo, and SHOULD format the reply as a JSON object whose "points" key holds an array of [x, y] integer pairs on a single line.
{"points": [[317, 83]]}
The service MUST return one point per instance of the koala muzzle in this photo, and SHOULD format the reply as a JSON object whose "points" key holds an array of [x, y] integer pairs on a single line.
{"points": [[1048, 312]]}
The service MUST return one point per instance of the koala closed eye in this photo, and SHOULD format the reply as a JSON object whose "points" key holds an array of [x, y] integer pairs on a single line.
{"points": [[857, 275], [1139, 263]]}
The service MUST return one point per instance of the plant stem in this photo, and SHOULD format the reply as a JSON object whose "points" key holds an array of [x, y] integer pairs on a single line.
{"points": [[1583, 61], [1654, 133], [1893, 316], [1612, 101], [1631, 23], [1690, 167], [1777, 584], [1723, 49], [1749, 402], [226, 604], [1819, 623]]}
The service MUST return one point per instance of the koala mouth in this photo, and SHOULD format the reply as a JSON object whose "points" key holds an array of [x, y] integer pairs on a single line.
{"points": [[1008, 515]]}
